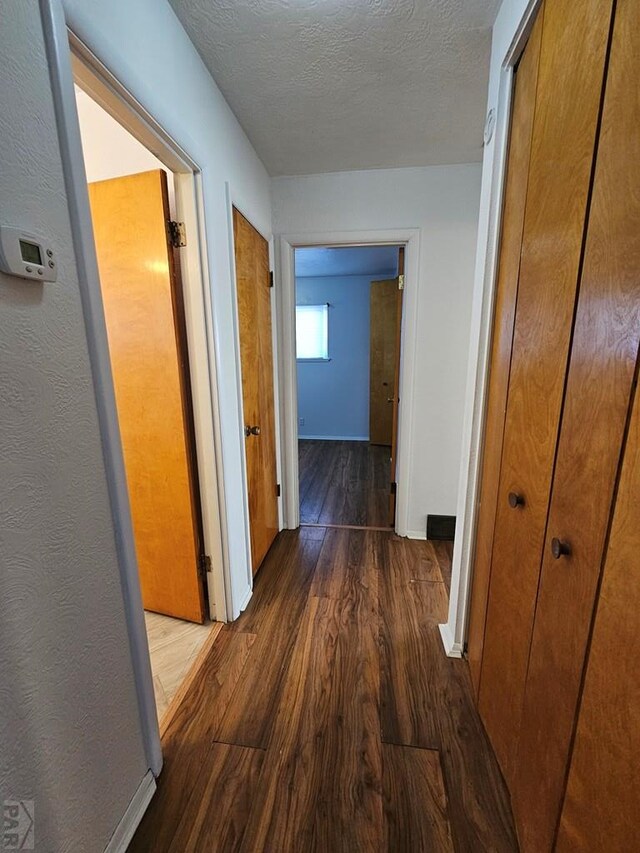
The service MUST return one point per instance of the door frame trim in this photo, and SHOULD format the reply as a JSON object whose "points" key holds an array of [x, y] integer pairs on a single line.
{"points": [[62, 46], [509, 37], [287, 368]]}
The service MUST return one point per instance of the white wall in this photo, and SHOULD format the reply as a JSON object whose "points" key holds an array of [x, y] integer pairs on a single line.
{"points": [[109, 150], [144, 46], [443, 203], [70, 735]]}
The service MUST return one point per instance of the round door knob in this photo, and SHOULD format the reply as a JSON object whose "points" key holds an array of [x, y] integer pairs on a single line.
{"points": [[255, 430], [247, 431], [515, 500], [560, 548]]}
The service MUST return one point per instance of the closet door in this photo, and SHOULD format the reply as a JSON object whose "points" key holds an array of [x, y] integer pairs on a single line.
{"points": [[599, 386], [572, 62], [524, 98], [603, 793]]}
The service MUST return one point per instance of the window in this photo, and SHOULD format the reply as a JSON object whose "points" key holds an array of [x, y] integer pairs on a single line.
{"points": [[312, 332]]}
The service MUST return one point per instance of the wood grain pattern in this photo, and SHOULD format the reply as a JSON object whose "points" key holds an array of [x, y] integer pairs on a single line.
{"points": [[599, 385], [383, 359], [187, 743], [344, 482], [138, 285], [603, 792], [396, 392], [415, 802], [572, 61], [427, 701], [323, 791], [326, 780], [256, 356], [526, 80]]}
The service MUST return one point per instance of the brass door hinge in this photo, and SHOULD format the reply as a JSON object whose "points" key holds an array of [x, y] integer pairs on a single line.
{"points": [[400, 282], [177, 234]]}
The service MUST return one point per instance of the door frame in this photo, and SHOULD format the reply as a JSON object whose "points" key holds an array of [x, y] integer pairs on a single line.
{"points": [[287, 367], [69, 57], [509, 37]]}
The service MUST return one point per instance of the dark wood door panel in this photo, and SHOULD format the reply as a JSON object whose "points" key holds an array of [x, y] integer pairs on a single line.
{"points": [[572, 64], [599, 385], [504, 317]]}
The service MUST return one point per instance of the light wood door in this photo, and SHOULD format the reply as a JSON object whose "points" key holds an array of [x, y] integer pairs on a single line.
{"points": [[572, 63], [254, 315], [599, 386], [385, 312], [600, 810], [526, 79], [396, 389], [142, 305]]}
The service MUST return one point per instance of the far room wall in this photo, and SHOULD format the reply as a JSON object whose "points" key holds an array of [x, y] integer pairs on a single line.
{"points": [[443, 203], [333, 396]]}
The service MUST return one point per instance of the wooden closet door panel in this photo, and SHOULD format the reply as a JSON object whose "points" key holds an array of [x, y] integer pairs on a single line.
{"points": [[599, 385], [256, 357], [572, 61], [603, 792], [524, 99]]}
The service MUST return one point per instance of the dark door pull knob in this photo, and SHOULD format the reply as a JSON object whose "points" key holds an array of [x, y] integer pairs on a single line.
{"points": [[515, 500], [255, 430], [560, 549]]}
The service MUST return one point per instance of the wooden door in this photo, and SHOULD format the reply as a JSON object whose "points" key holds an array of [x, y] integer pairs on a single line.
{"points": [[142, 304], [526, 79], [600, 810], [572, 63], [599, 385], [383, 358], [396, 388], [254, 316]]}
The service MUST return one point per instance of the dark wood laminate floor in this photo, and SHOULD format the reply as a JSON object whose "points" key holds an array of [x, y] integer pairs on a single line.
{"points": [[344, 482], [327, 717]]}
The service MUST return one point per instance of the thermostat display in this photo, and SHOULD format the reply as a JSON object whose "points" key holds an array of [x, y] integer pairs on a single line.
{"points": [[26, 255]]}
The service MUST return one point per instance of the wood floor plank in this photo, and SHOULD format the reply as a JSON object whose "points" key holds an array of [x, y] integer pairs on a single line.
{"points": [[188, 739], [217, 816], [344, 482], [321, 783], [274, 613], [338, 657], [426, 701], [415, 803]]}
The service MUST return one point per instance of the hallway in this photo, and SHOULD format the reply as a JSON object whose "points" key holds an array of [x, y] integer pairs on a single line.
{"points": [[344, 483], [328, 718]]}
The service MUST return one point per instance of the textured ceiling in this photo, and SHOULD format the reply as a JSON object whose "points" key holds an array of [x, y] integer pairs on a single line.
{"points": [[334, 85], [356, 260]]}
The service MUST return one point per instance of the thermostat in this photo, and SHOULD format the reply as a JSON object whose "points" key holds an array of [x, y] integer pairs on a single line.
{"points": [[26, 255]]}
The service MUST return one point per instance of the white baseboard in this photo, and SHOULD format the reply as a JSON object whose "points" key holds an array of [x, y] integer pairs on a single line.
{"points": [[130, 820], [417, 534], [246, 598], [452, 649], [333, 437]]}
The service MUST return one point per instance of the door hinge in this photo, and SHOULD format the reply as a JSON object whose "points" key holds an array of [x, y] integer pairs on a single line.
{"points": [[177, 234], [204, 564], [270, 278], [400, 282], [394, 488], [278, 490]]}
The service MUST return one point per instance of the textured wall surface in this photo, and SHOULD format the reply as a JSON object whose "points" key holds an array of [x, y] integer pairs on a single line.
{"points": [[330, 85], [144, 45], [333, 396], [442, 201], [69, 725]]}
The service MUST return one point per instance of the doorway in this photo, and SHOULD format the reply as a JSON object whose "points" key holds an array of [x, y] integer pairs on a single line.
{"points": [[139, 247], [348, 304]]}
